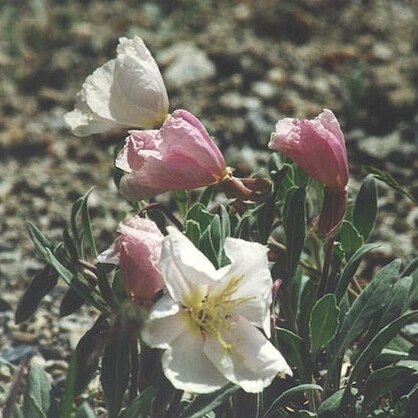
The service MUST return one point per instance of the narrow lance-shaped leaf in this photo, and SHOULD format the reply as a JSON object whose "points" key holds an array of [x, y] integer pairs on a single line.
{"points": [[384, 176], [384, 381], [85, 411], [294, 225], [41, 285], [115, 367], [349, 237], [37, 395], [207, 403], [140, 407], [323, 322], [379, 341], [71, 302], [87, 354], [365, 207], [368, 305], [351, 268], [288, 394]]}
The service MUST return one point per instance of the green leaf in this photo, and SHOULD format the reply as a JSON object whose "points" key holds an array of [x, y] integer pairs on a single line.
{"points": [[203, 404], [378, 342], [39, 240], [307, 300], [211, 241], [85, 220], [294, 226], [293, 349], [351, 268], [323, 322], [330, 406], [349, 237], [85, 411], [87, 354], [303, 414], [288, 394], [413, 291], [396, 304], [265, 218], [140, 407], [383, 381], [365, 207], [370, 303], [40, 286], [193, 231], [67, 404], [71, 302], [207, 196], [115, 370], [384, 176], [199, 214], [411, 364], [37, 395]]}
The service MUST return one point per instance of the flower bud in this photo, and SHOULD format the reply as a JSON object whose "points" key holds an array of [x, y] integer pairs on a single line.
{"points": [[179, 156], [316, 145], [137, 251], [125, 92]]}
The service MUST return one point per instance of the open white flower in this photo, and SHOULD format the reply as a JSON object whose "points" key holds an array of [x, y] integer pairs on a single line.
{"points": [[125, 92], [207, 321]]}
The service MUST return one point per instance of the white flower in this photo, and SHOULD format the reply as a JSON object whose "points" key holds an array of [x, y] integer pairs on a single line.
{"points": [[125, 92], [207, 322]]}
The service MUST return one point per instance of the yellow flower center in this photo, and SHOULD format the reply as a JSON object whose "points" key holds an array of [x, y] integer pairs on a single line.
{"points": [[211, 315]]}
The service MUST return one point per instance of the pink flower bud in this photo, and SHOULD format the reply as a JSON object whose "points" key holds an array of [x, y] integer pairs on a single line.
{"points": [[179, 156], [137, 250], [316, 145]]}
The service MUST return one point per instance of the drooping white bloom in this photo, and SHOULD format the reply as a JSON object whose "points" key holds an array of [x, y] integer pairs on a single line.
{"points": [[124, 92], [207, 323]]}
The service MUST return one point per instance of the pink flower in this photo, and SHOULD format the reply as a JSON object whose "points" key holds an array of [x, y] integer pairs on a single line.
{"points": [[137, 250], [316, 145], [179, 156]]}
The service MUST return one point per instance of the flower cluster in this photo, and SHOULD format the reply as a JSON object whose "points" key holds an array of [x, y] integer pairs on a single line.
{"points": [[214, 324]]}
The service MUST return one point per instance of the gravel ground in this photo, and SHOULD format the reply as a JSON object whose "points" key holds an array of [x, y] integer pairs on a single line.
{"points": [[239, 65]]}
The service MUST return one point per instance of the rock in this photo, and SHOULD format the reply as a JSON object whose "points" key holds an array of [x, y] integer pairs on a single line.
{"points": [[264, 89], [382, 51], [380, 147], [231, 100], [23, 337], [186, 64], [17, 354]]}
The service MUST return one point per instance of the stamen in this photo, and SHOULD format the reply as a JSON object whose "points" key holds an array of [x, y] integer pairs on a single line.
{"points": [[211, 317]]}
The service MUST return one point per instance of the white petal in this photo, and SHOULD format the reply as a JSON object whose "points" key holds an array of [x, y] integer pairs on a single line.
{"points": [[164, 307], [250, 265], [187, 272], [84, 124], [252, 362], [160, 333], [187, 368]]}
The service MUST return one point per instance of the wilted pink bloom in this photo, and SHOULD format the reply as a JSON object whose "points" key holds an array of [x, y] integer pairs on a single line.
{"points": [[179, 156], [137, 250], [316, 145]]}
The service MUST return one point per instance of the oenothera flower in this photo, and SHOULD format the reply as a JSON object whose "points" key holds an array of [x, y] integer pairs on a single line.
{"points": [[125, 92], [207, 323], [137, 250], [318, 147], [181, 155]]}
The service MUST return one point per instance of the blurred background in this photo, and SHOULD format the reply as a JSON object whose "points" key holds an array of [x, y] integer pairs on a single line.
{"points": [[238, 65]]}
